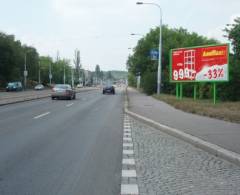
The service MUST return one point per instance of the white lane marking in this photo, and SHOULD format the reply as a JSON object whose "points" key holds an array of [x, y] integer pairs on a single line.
{"points": [[128, 161], [127, 134], [129, 173], [127, 139], [127, 144], [41, 115], [127, 152], [129, 189], [127, 130], [68, 105]]}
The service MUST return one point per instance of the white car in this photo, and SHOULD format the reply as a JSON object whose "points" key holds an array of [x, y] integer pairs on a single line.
{"points": [[39, 87]]}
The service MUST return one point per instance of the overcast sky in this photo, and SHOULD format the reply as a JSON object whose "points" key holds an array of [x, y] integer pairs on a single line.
{"points": [[101, 29]]}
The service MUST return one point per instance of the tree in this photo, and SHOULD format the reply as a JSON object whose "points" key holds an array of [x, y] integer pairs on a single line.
{"points": [[172, 38], [97, 72], [77, 63], [233, 32]]}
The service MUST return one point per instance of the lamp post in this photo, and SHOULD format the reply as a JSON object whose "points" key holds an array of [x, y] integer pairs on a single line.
{"points": [[39, 72], [160, 46], [50, 73], [25, 72]]}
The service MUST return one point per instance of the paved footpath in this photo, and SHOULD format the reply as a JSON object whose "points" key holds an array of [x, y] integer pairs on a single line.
{"points": [[221, 133], [166, 165]]}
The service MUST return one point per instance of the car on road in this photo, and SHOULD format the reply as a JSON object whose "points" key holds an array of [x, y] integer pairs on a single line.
{"points": [[39, 87], [14, 86], [63, 91], [109, 89]]}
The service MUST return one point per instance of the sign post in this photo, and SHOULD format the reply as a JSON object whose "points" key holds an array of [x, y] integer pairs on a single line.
{"points": [[199, 64]]}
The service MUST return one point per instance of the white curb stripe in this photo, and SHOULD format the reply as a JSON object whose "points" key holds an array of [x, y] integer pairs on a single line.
{"points": [[127, 144], [128, 152], [127, 134], [128, 161], [127, 139], [129, 173], [130, 189]]}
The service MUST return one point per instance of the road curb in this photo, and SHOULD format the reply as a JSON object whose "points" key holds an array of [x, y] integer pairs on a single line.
{"points": [[31, 98], [209, 147]]}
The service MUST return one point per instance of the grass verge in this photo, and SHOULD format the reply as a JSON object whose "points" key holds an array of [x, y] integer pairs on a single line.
{"points": [[228, 111]]}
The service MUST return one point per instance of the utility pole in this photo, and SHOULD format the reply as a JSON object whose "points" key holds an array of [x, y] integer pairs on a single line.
{"points": [[64, 76], [72, 77], [25, 73], [39, 73], [50, 73]]}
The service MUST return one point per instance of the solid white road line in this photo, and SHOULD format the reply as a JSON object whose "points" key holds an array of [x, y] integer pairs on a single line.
{"points": [[127, 152], [41, 115], [129, 189], [128, 161], [68, 105], [129, 173]]}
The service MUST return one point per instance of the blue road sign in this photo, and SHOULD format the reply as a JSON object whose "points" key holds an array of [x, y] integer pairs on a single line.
{"points": [[154, 54]]}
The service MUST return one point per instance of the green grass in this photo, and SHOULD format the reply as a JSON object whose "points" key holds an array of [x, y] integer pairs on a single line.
{"points": [[228, 111]]}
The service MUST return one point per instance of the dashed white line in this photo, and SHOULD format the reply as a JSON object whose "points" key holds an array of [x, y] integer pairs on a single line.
{"points": [[127, 152], [129, 173], [127, 134], [127, 130], [41, 115], [68, 105], [127, 139], [128, 161], [129, 189], [127, 144]]}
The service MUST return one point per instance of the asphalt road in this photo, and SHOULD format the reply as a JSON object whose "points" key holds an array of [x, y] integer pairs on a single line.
{"points": [[62, 147]]}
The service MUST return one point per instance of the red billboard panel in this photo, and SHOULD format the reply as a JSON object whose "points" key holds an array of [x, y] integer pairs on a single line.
{"points": [[196, 64]]}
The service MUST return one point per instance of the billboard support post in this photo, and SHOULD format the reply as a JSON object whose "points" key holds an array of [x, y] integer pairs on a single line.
{"points": [[177, 91], [195, 91], [214, 93], [181, 91]]}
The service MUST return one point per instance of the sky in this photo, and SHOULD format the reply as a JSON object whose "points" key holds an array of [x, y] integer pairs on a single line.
{"points": [[101, 29]]}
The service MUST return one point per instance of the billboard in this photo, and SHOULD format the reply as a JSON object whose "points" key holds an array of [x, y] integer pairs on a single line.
{"points": [[199, 64]]}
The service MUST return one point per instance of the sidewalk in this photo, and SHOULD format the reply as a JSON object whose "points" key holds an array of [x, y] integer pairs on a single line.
{"points": [[221, 133]]}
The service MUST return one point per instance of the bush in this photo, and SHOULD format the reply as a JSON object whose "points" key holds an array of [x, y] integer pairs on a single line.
{"points": [[132, 80], [149, 82]]}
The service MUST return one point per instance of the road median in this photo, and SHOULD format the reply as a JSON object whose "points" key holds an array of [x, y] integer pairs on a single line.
{"points": [[34, 96]]}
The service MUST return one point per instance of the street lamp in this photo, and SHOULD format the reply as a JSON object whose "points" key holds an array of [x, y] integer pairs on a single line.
{"points": [[39, 72], [160, 46], [25, 72]]}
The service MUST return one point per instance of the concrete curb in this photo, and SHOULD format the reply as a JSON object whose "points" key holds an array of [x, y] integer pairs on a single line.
{"points": [[209, 147], [36, 97]]}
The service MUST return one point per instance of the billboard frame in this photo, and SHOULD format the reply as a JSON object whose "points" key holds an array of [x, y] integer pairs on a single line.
{"points": [[194, 47]]}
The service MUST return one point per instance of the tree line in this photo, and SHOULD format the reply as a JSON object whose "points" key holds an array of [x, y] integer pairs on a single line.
{"points": [[140, 62], [14, 55]]}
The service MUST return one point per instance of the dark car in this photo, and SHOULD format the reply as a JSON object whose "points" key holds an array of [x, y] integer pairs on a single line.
{"points": [[14, 86], [109, 90], [63, 91]]}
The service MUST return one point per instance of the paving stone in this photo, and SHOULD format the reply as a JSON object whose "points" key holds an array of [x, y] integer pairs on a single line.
{"points": [[167, 165]]}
